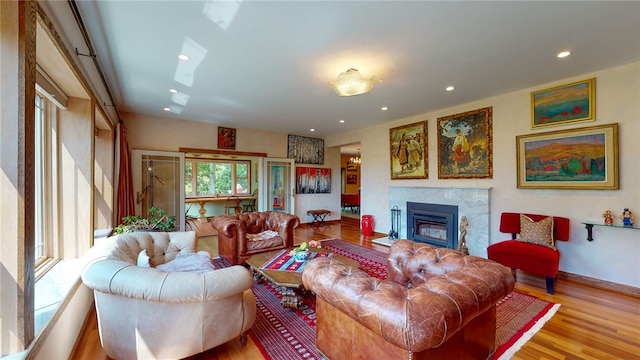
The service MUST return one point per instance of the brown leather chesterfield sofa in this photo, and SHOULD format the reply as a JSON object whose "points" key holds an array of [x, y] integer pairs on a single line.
{"points": [[239, 234], [435, 304]]}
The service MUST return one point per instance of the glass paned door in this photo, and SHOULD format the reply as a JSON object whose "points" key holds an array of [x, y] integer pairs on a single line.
{"points": [[158, 181], [278, 181]]}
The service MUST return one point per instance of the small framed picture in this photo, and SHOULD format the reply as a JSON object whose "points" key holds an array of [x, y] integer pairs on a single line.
{"points": [[226, 138], [564, 104]]}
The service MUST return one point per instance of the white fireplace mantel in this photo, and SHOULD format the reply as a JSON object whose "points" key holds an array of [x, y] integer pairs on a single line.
{"points": [[474, 203]]}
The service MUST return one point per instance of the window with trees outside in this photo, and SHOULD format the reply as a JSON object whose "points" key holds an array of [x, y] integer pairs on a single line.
{"points": [[211, 177], [45, 120], [40, 250]]}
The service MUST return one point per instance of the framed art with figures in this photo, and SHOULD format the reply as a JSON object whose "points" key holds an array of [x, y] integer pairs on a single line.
{"points": [[465, 145], [226, 138], [408, 151]]}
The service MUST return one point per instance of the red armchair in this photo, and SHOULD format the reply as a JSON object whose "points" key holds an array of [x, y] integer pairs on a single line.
{"points": [[528, 257]]}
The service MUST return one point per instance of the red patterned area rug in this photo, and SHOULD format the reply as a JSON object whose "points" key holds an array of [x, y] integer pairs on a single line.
{"points": [[289, 334]]}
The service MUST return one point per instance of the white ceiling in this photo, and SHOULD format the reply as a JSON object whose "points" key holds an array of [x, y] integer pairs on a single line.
{"points": [[266, 64]]}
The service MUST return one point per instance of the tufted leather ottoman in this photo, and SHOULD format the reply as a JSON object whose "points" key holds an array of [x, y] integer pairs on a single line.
{"points": [[436, 303]]}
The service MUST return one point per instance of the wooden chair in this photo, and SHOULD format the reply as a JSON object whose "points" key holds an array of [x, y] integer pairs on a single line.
{"points": [[232, 205], [250, 205]]}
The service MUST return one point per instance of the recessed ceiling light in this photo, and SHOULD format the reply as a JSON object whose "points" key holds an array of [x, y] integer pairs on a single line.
{"points": [[183, 57], [563, 54], [384, 108], [173, 91], [341, 121], [450, 88], [166, 109], [312, 130]]}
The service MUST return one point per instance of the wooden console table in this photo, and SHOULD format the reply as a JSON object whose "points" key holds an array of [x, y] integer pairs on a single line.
{"points": [[203, 200]]}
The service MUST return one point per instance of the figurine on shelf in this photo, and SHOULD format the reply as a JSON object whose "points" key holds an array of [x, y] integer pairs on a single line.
{"points": [[627, 218], [608, 217]]}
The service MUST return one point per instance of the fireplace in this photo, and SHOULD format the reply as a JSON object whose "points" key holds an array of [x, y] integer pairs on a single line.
{"points": [[473, 203], [434, 224]]}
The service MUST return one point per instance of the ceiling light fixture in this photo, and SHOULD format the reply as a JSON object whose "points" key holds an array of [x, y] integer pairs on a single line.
{"points": [[450, 88], [384, 108], [355, 160], [351, 82], [183, 57], [563, 54]]}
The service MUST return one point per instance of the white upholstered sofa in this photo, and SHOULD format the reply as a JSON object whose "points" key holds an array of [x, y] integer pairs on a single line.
{"points": [[148, 313]]}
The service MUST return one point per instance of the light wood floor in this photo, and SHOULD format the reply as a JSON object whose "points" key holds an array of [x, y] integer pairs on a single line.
{"points": [[591, 323]]}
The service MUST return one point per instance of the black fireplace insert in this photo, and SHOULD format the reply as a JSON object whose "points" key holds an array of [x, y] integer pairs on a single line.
{"points": [[434, 224]]}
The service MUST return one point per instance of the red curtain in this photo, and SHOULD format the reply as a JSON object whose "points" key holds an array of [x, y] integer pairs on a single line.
{"points": [[125, 205]]}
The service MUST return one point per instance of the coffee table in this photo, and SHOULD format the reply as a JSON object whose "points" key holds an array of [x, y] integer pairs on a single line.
{"points": [[288, 282]]}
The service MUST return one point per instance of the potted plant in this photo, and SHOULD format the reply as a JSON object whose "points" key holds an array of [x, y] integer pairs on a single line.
{"points": [[157, 220]]}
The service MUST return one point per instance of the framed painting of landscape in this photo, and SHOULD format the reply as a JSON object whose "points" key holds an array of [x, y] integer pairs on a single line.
{"points": [[310, 180], [564, 104], [583, 158], [305, 150]]}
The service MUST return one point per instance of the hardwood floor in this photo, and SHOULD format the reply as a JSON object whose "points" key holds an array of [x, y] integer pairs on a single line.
{"points": [[590, 324]]}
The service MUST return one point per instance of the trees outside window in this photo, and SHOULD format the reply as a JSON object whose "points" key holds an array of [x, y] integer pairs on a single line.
{"points": [[210, 177]]}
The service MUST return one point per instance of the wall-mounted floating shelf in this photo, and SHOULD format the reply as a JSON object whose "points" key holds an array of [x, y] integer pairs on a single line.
{"points": [[589, 226]]}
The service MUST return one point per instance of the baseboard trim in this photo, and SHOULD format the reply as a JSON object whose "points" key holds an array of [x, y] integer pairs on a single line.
{"points": [[601, 284]]}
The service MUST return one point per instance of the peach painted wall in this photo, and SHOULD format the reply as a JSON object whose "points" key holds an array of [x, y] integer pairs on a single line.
{"points": [[154, 133]]}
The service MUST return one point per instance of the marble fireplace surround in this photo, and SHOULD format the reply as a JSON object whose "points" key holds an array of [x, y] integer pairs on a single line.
{"points": [[472, 203]]}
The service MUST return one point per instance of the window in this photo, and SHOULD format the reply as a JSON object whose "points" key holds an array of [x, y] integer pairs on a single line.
{"points": [[210, 177], [51, 281], [44, 118], [40, 250]]}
